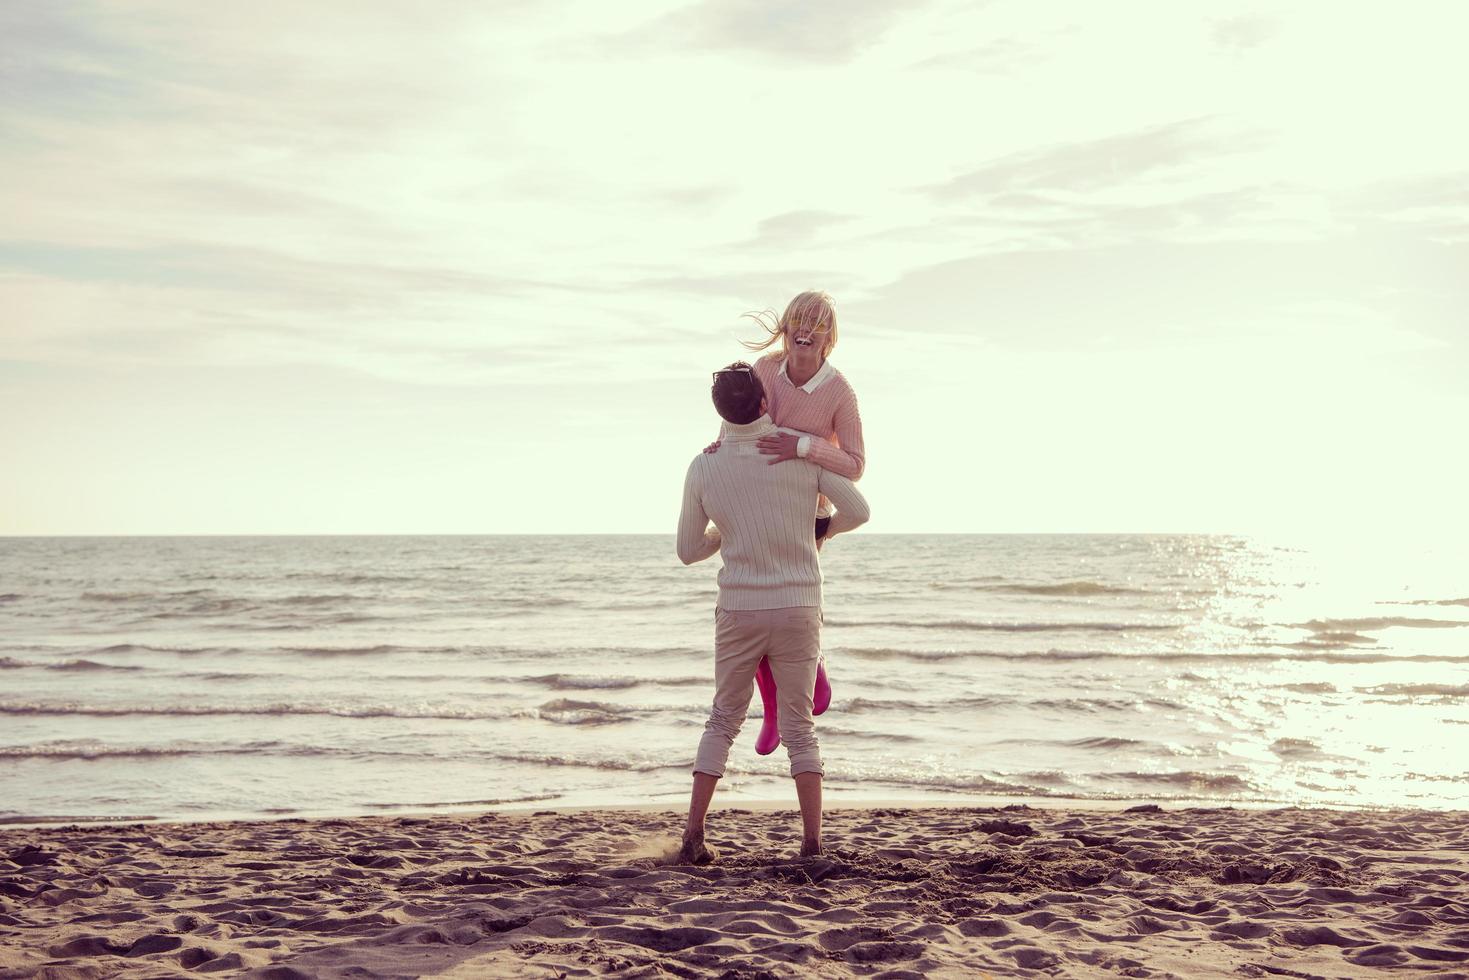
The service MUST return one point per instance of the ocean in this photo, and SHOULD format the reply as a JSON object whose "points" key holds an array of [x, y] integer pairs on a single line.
{"points": [[222, 677]]}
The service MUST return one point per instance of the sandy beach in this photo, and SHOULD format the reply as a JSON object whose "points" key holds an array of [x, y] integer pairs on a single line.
{"points": [[1011, 891]]}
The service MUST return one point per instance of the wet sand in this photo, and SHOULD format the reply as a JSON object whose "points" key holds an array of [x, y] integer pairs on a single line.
{"points": [[948, 892]]}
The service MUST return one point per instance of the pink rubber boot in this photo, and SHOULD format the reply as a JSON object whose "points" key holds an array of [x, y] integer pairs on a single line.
{"points": [[769, 738], [821, 697]]}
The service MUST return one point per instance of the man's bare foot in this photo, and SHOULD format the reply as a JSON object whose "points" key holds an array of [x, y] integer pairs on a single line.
{"points": [[695, 851], [810, 848]]}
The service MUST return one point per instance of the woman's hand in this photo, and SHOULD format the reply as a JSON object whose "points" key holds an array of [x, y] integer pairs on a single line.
{"points": [[713, 447], [782, 447]]}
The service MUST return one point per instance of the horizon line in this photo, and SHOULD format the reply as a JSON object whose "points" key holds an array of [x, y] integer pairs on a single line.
{"points": [[611, 534]]}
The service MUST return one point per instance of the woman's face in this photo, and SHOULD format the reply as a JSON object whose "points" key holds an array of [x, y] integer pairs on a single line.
{"points": [[806, 337]]}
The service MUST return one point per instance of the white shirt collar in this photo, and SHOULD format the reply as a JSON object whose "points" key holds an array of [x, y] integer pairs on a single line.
{"points": [[822, 374]]}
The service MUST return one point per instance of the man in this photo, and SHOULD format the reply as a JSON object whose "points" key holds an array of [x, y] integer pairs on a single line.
{"points": [[769, 590]]}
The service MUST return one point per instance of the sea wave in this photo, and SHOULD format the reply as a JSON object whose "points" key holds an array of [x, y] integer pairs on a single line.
{"points": [[223, 675], [311, 599], [860, 704], [1330, 639], [566, 711], [620, 606], [597, 682], [193, 710], [1184, 784], [150, 648], [1100, 743], [581, 682], [1372, 623], [476, 652], [1431, 690], [1310, 687], [380, 649], [279, 623], [537, 601], [83, 665], [1105, 704], [376, 650], [91, 749], [1221, 658], [1104, 742], [353, 578], [87, 749], [1295, 748], [1001, 627], [867, 775], [561, 711], [583, 762], [143, 596], [1213, 782], [859, 733], [436, 804], [1074, 588], [207, 602]]}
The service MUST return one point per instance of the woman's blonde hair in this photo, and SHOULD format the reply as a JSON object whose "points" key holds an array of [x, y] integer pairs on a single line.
{"points": [[813, 307]]}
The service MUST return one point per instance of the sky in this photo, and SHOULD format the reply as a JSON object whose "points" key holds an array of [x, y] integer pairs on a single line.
{"points": [[354, 267]]}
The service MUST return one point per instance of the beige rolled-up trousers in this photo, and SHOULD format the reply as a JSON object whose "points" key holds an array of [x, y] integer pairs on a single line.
{"points": [[791, 638]]}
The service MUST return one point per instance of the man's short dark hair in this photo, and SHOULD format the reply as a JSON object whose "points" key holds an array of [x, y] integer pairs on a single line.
{"points": [[737, 393]]}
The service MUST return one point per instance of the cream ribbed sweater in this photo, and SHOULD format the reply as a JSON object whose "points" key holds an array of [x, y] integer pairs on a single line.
{"points": [[762, 517]]}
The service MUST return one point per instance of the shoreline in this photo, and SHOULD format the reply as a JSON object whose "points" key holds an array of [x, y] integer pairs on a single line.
{"points": [[833, 801]]}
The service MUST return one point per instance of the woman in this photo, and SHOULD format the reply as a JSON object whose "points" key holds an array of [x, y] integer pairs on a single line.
{"points": [[805, 392]]}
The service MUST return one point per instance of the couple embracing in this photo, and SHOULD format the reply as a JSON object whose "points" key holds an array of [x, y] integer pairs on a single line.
{"points": [[789, 451]]}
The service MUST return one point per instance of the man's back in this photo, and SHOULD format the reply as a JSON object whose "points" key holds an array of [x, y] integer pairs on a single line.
{"points": [[764, 514]]}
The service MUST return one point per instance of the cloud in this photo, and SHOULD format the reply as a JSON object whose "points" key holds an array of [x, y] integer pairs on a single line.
{"points": [[210, 304], [701, 196], [1252, 211], [81, 63], [200, 265], [756, 290], [1401, 292], [998, 57], [324, 76], [1436, 205], [1243, 33], [792, 229], [215, 196], [1047, 221], [798, 226], [821, 32], [1093, 164]]}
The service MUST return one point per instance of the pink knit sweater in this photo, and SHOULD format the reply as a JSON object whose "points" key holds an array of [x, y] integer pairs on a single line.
{"points": [[825, 406]]}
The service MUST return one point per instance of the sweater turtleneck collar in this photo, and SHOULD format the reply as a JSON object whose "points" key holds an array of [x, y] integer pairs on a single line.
{"points": [[749, 430]]}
